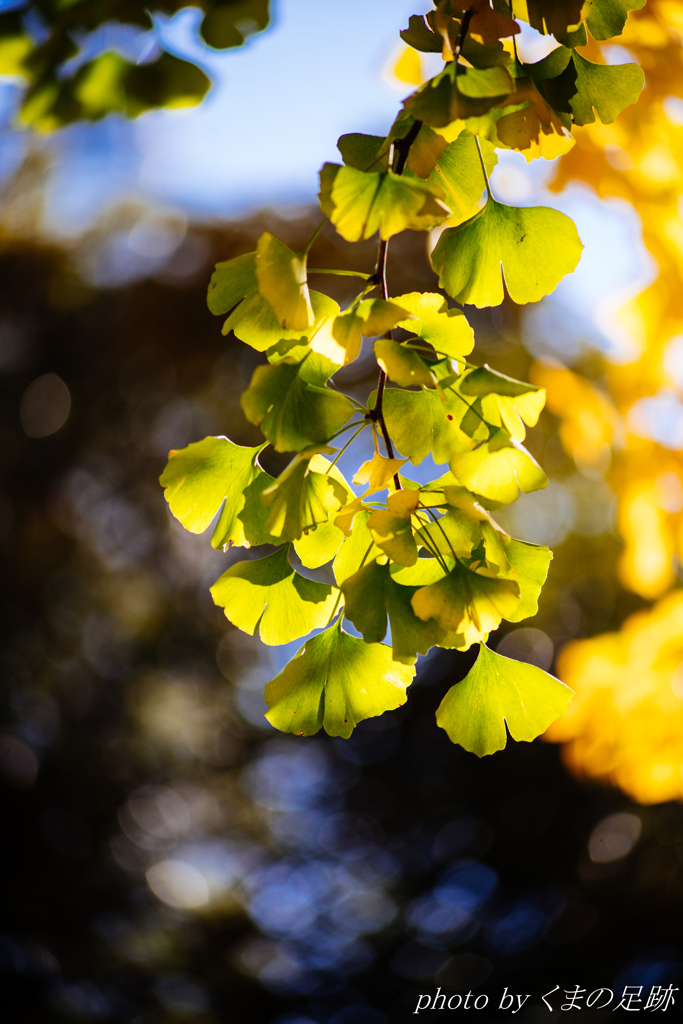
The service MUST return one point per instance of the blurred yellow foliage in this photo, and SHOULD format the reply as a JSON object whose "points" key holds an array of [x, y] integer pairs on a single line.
{"points": [[625, 724]]}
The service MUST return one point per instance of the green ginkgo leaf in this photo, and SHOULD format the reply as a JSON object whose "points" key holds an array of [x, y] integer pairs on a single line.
{"points": [[357, 550], [321, 544], [405, 367], [465, 600], [499, 469], [282, 281], [453, 535], [446, 330], [364, 152], [335, 682], [505, 402], [458, 93], [499, 691], [231, 281], [528, 567], [267, 594], [301, 498], [292, 412], [420, 37], [534, 246], [608, 17], [422, 422], [458, 173], [208, 474], [359, 203], [254, 322], [374, 600], [605, 89]]}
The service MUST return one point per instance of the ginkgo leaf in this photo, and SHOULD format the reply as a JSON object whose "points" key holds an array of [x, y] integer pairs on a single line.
{"points": [[446, 330], [534, 128], [550, 17], [282, 281], [496, 542], [534, 246], [420, 37], [458, 93], [605, 89], [254, 322], [357, 550], [608, 17], [366, 319], [360, 204], [528, 567], [465, 599], [208, 474], [405, 367], [486, 25], [320, 545], [364, 152], [269, 595], [231, 281], [301, 498], [422, 422], [335, 682], [393, 533], [378, 473], [505, 401], [293, 413], [452, 535], [497, 692], [425, 151], [499, 469], [458, 173], [374, 600]]}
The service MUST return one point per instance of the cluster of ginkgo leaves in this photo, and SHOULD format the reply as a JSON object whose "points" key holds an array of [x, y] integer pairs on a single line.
{"points": [[424, 564]]}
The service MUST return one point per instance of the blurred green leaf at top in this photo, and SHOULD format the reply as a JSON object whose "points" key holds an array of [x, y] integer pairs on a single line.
{"points": [[45, 43]]}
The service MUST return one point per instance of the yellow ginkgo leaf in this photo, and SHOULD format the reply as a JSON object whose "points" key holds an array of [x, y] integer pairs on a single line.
{"points": [[378, 472]]}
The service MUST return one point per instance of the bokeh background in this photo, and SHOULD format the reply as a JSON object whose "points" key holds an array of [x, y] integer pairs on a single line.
{"points": [[166, 855]]}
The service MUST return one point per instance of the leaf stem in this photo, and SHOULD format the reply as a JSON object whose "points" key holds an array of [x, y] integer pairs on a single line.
{"points": [[341, 273], [304, 252], [483, 166], [348, 444]]}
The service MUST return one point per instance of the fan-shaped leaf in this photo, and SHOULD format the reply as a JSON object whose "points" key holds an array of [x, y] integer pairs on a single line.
{"points": [[357, 550], [282, 281], [446, 330], [499, 469], [359, 204], [534, 246], [267, 594], [422, 422], [458, 173], [528, 567], [378, 472], [497, 691], [293, 413], [301, 498], [201, 478], [505, 402], [374, 599], [608, 17], [334, 682], [464, 601]]}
